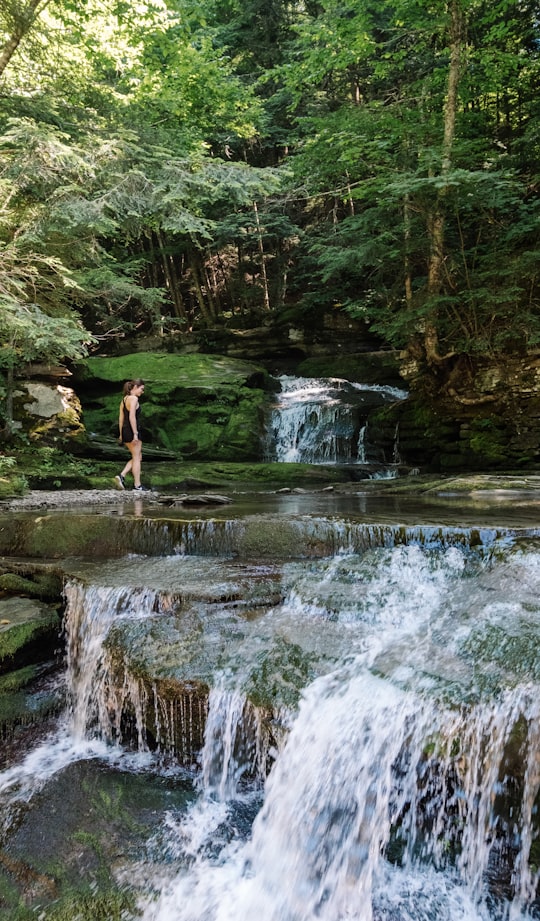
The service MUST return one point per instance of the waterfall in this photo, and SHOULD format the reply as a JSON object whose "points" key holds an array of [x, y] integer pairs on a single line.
{"points": [[361, 452], [324, 421], [377, 793], [362, 744], [96, 700], [408, 784], [237, 743], [107, 700]]}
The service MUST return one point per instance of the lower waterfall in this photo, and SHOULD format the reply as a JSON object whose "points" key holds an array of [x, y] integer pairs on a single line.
{"points": [[408, 782], [351, 736]]}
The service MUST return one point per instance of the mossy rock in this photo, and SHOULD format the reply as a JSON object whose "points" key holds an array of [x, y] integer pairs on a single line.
{"points": [[224, 474], [282, 672], [47, 585], [21, 704], [29, 632], [173, 661], [59, 535], [194, 405]]}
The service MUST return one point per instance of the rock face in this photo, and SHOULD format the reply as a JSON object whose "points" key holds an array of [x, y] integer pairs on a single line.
{"points": [[211, 405], [48, 412], [27, 629], [196, 406], [478, 418]]}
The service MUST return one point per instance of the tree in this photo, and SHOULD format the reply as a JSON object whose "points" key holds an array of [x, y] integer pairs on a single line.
{"points": [[16, 21], [411, 178]]}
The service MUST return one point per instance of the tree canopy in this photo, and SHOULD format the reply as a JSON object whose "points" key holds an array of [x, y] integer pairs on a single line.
{"points": [[172, 164]]}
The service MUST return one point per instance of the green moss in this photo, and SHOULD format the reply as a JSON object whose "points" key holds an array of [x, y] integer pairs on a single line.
{"points": [[18, 705], [56, 536], [489, 440], [17, 637], [223, 473], [17, 680], [161, 368], [45, 586], [194, 405]]}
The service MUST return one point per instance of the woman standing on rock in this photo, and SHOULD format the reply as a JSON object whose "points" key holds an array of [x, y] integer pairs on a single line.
{"points": [[128, 426]]}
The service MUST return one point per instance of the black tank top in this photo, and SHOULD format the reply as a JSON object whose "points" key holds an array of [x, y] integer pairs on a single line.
{"points": [[127, 431]]}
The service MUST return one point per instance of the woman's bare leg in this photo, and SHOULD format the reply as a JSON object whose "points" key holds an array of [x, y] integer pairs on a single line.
{"points": [[134, 464], [127, 468]]}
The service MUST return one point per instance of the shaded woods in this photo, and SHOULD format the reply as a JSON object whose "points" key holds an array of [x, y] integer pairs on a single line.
{"points": [[193, 166]]}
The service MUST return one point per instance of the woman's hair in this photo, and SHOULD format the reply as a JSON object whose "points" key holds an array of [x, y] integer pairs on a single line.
{"points": [[129, 385]]}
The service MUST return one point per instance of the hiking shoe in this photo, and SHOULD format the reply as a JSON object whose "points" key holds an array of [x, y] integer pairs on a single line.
{"points": [[120, 481], [141, 489]]}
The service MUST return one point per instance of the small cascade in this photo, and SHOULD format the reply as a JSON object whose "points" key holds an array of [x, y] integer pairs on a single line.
{"points": [[220, 763], [90, 612], [324, 421], [378, 794], [361, 452], [371, 775], [409, 776], [108, 701], [237, 744]]}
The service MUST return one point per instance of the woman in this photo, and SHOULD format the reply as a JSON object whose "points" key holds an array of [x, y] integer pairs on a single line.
{"points": [[128, 425]]}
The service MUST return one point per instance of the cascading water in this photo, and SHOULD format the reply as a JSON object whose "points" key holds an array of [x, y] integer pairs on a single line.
{"points": [[325, 421], [391, 695], [407, 782]]}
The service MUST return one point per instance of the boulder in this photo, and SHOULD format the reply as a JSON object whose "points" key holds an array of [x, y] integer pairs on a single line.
{"points": [[29, 631], [49, 413], [196, 406]]}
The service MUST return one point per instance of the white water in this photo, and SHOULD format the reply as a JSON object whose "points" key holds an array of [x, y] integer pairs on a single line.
{"points": [[349, 769], [389, 793], [368, 753], [324, 421]]}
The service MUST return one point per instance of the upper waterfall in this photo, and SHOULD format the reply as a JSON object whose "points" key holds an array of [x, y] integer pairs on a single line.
{"points": [[325, 421]]}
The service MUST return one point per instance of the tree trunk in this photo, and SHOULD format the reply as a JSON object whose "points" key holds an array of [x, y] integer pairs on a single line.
{"points": [[179, 305], [170, 280], [407, 260], [198, 291], [436, 223], [27, 17], [266, 293], [10, 386]]}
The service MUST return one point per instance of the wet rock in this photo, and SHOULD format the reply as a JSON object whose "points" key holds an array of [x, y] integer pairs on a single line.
{"points": [[34, 582], [28, 696], [201, 499], [28, 633]]}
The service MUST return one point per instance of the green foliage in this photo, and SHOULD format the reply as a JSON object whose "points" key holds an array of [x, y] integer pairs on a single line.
{"points": [[28, 333], [378, 104], [130, 194], [489, 440], [47, 461]]}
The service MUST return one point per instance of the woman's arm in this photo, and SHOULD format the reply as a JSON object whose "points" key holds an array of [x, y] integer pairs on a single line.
{"points": [[133, 404], [120, 419]]}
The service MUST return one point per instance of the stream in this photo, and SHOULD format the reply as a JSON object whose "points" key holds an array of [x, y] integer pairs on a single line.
{"points": [[295, 707]]}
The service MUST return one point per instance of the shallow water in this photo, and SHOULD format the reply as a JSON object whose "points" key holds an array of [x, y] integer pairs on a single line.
{"points": [[494, 507]]}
